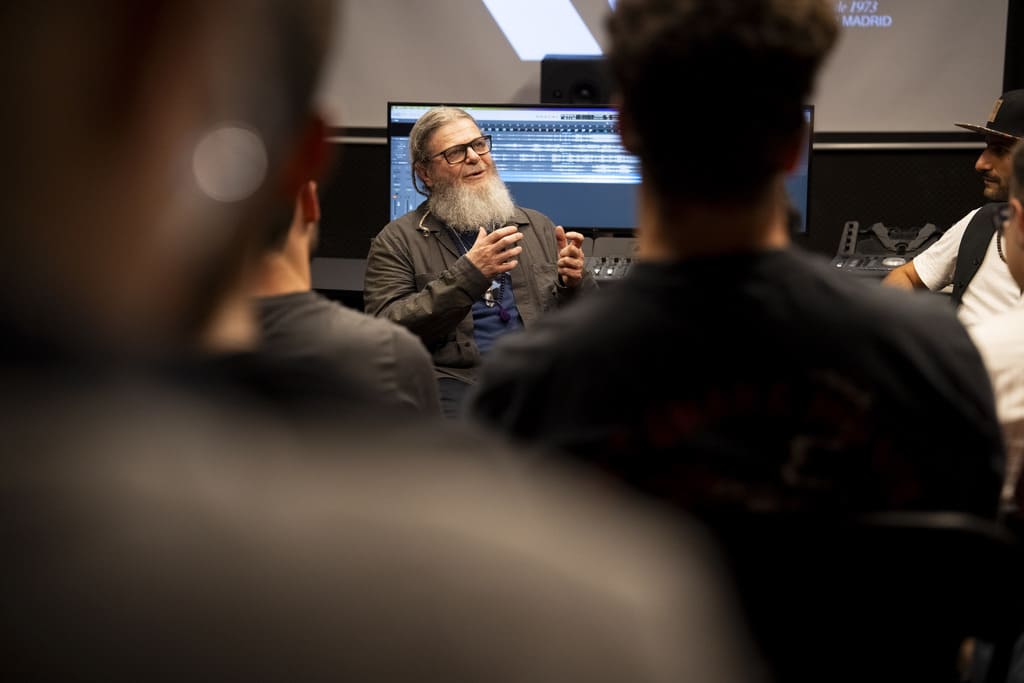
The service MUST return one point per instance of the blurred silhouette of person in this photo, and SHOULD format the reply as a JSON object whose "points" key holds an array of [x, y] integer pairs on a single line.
{"points": [[738, 379], [784, 386], [138, 179], [176, 564], [167, 526]]}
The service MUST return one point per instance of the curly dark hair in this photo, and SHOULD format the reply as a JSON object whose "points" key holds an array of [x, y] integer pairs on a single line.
{"points": [[714, 89]]}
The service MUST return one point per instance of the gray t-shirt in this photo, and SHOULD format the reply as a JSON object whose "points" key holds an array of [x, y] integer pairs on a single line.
{"points": [[378, 355]]}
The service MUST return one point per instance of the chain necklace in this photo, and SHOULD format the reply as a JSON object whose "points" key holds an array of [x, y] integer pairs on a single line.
{"points": [[999, 245], [494, 294]]}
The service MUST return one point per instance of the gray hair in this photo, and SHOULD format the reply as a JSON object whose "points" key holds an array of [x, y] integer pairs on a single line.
{"points": [[423, 130]]}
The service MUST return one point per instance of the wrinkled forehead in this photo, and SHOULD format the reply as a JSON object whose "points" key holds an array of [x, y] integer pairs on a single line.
{"points": [[457, 132]]}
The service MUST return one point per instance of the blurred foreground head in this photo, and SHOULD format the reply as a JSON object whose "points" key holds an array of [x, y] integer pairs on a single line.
{"points": [[145, 141]]}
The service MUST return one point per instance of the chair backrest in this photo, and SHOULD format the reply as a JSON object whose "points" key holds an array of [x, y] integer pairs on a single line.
{"points": [[888, 596]]}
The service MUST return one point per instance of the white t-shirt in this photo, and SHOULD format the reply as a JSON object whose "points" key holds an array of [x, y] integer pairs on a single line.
{"points": [[1000, 340], [992, 290]]}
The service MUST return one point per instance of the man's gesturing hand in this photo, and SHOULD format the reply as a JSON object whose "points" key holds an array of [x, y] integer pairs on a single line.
{"points": [[570, 256], [495, 252]]}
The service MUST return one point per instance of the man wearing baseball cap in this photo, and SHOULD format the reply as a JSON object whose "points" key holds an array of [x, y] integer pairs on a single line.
{"points": [[969, 256]]}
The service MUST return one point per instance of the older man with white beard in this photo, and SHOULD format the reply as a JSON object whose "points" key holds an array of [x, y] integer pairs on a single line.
{"points": [[467, 265]]}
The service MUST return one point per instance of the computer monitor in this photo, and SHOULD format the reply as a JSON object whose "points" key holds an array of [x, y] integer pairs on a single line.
{"points": [[566, 161]]}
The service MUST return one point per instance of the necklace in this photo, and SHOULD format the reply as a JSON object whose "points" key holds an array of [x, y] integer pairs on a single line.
{"points": [[494, 294], [999, 245]]}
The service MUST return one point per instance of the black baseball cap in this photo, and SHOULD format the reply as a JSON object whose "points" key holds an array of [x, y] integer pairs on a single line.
{"points": [[1006, 119]]}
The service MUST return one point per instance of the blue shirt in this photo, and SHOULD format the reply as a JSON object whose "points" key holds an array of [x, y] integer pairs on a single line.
{"points": [[487, 323]]}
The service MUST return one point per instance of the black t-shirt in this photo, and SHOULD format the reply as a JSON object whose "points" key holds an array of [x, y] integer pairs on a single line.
{"points": [[757, 380]]}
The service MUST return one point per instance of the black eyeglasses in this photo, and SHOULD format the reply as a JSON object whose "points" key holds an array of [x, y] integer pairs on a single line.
{"points": [[456, 154]]}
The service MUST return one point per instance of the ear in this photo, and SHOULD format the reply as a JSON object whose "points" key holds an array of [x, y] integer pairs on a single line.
{"points": [[309, 204], [421, 173], [310, 157]]}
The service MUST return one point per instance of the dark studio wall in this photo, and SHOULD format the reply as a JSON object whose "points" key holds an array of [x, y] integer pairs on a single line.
{"points": [[898, 188]]}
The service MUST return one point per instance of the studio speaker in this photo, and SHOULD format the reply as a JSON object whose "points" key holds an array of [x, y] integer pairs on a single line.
{"points": [[574, 79]]}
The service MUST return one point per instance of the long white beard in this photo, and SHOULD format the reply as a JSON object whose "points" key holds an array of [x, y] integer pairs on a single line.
{"points": [[468, 208]]}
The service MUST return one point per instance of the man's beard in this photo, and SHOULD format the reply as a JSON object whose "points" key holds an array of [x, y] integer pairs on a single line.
{"points": [[999, 192], [468, 208]]}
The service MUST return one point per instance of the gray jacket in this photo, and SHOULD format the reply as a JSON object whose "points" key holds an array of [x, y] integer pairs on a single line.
{"points": [[417, 277]]}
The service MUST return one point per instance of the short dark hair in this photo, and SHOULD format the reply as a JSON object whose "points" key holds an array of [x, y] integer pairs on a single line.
{"points": [[741, 70]]}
